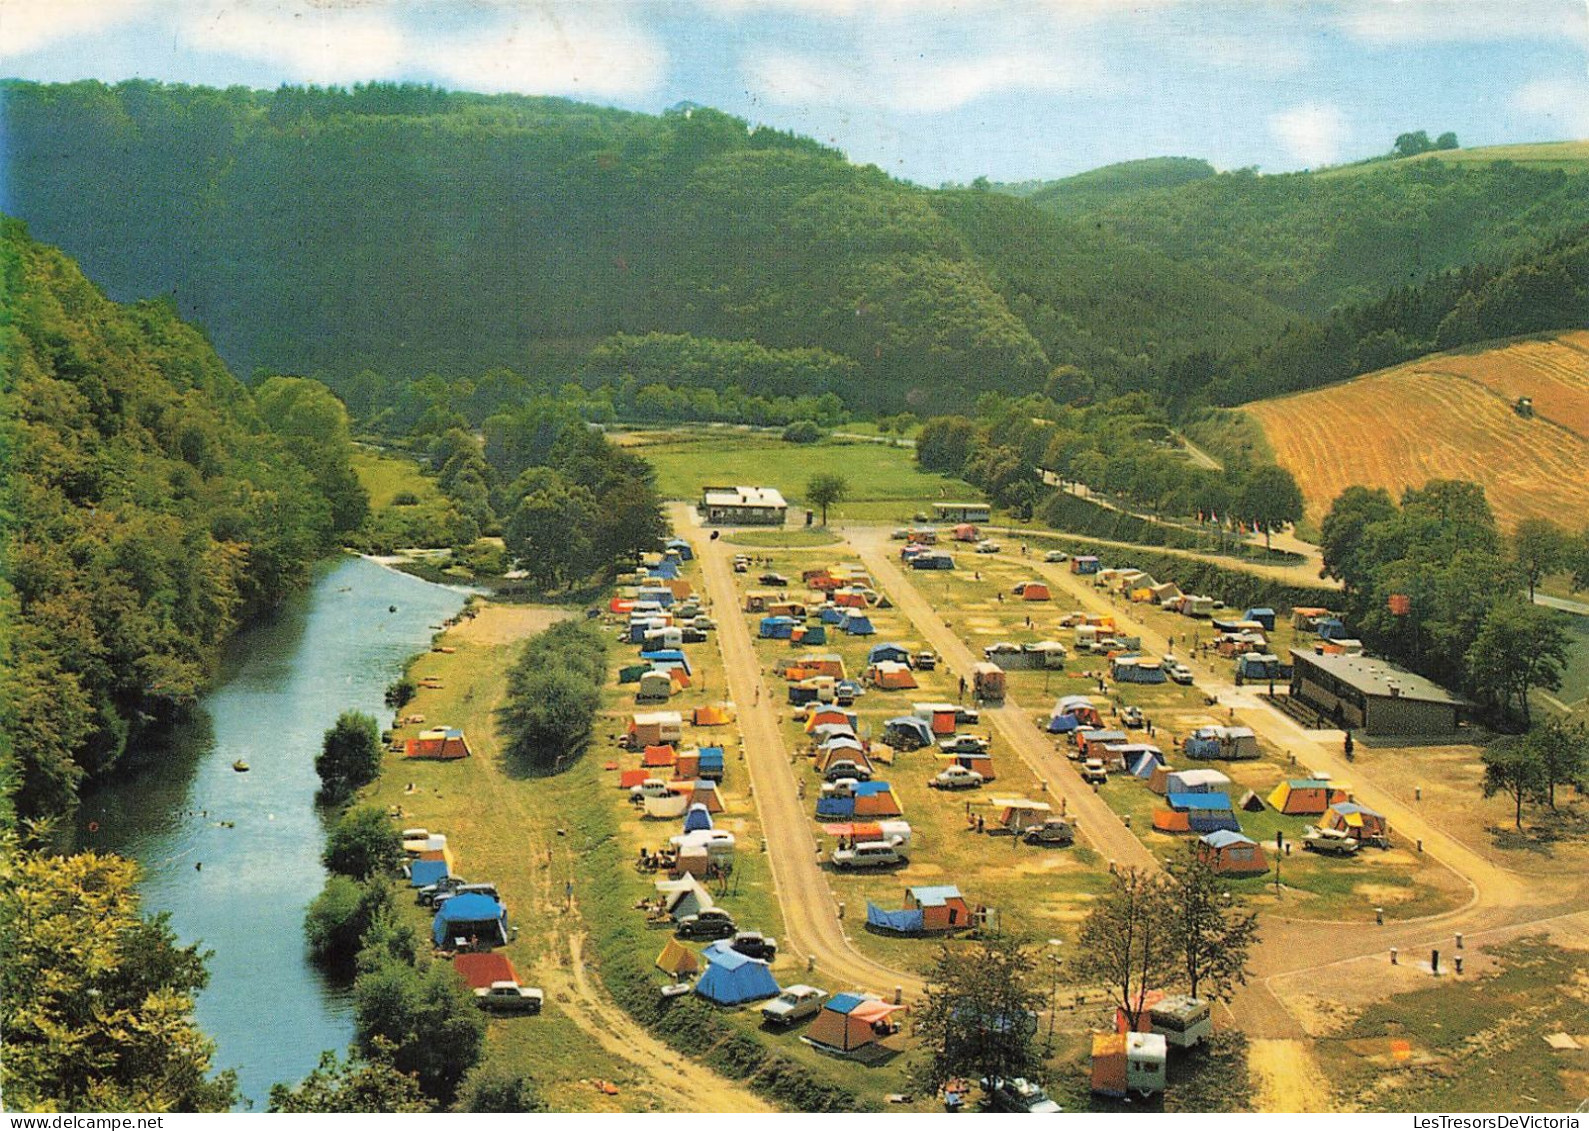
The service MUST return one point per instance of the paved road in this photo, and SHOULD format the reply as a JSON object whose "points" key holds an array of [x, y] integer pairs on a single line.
{"points": [[812, 927], [1097, 823]]}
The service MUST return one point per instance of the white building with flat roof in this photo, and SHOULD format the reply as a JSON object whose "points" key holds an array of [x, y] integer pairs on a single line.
{"points": [[743, 506]]}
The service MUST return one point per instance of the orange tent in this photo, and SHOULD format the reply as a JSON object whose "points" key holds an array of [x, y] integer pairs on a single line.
{"points": [[688, 766], [628, 779], [480, 970], [443, 744], [715, 715], [699, 793], [849, 1022], [892, 677], [659, 756], [678, 959], [830, 715], [1169, 821]]}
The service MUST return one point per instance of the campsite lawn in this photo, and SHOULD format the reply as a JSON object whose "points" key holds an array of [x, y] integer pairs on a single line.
{"points": [[385, 477], [885, 484], [1459, 1045], [796, 537]]}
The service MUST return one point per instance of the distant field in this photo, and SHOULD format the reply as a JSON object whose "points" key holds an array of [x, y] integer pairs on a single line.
{"points": [[1449, 416], [385, 476], [884, 482], [1570, 155]]}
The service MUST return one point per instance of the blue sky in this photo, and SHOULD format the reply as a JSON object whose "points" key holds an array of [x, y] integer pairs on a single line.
{"points": [[930, 90]]}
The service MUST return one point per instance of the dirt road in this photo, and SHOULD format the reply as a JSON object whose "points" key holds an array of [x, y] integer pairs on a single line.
{"points": [[1095, 821], [812, 927], [1288, 1078]]}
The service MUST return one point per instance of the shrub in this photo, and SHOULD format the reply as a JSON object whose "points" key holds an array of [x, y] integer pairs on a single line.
{"points": [[362, 844], [802, 432], [349, 757], [340, 915]]}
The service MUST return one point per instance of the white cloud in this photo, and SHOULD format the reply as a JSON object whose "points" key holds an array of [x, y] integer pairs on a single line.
{"points": [[1395, 22], [918, 83], [1314, 135], [27, 25], [1563, 100], [537, 52], [310, 43]]}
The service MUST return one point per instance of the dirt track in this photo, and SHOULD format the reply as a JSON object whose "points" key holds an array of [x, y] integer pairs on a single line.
{"points": [[812, 927]]}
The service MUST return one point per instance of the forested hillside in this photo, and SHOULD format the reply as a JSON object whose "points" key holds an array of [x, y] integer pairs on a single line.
{"points": [[1086, 192], [1311, 242], [405, 230], [151, 505]]}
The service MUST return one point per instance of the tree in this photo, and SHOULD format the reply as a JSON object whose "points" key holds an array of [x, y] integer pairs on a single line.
{"points": [[802, 432], [1126, 944], [1578, 560], [350, 756], [1211, 933], [1270, 497], [502, 1092], [1563, 749], [1343, 530], [945, 442], [980, 1016], [1512, 766], [1540, 547], [826, 490], [361, 1084], [363, 844], [1413, 143], [340, 915], [1447, 140], [425, 1017], [1519, 647], [550, 533], [96, 999]]}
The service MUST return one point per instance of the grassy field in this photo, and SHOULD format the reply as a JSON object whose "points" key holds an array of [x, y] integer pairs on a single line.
{"points": [[1448, 416], [884, 483], [384, 477], [797, 537], [1460, 1045]]}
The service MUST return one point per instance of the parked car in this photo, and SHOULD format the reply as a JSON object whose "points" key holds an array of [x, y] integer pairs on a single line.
{"points": [[651, 787], [444, 895], [1179, 673], [868, 854], [1328, 842], [1054, 831], [776, 580], [1020, 1095], [967, 716], [1056, 556], [956, 777], [426, 896], [702, 623], [924, 661], [842, 768], [707, 926], [741, 565], [900, 534], [754, 944], [987, 546], [1131, 718], [509, 997], [795, 1003], [1094, 771], [963, 744]]}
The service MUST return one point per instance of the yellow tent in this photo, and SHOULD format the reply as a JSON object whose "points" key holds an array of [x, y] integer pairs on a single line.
{"points": [[714, 715], [677, 959]]}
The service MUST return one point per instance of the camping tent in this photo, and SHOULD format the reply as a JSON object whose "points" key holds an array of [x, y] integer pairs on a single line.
{"points": [[697, 817], [422, 872], [907, 732], [776, 628], [1017, 813], [1034, 591], [830, 664], [1230, 743], [666, 807], [1144, 763], [678, 960], [905, 922], [823, 715], [731, 978], [470, 916], [684, 896], [443, 744], [1232, 854], [659, 756], [891, 676], [1307, 797], [1251, 802], [942, 907], [655, 727], [1197, 781], [1092, 742], [699, 792], [895, 653], [876, 799], [1263, 615], [479, 970], [1135, 669], [711, 763], [1072, 711], [1358, 822], [713, 715], [1201, 813], [942, 717], [858, 624], [848, 1022], [667, 657]]}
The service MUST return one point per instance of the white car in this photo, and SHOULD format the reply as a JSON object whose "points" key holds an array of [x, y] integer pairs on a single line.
{"points": [[868, 854], [956, 777], [987, 546], [1094, 771], [1056, 556], [793, 1004], [510, 997], [1179, 673]]}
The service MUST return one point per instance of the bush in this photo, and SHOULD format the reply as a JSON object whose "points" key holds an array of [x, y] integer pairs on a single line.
{"points": [[399, 692], [349, 757], [424, 1019], [363, 844], [405, 499], [502, 1092], [802, 432], [339, 917]]}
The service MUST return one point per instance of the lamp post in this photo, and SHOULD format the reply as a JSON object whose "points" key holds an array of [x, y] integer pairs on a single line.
{"points": [[1053, 990]]}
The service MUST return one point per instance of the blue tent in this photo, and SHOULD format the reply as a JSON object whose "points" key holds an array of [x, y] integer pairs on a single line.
{"points": [[815, 634], [1331, 628], [1062, 724], [639, 626], [895, 653], [839, 808], [1264, 616], [908, 729], [683, 547], [858, 624], [776, 628], [661, 594], [1205, 812], [422, 872], [830, 614], [668, 658], [731, 978], [470, 916], [901, 922], [710, 765], [1145, 763], [698, 817], [666, 571]]}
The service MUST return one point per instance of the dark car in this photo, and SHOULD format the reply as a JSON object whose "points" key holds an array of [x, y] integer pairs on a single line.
{"points": [[776, 580], [754, 944], [710, 925], [426, 896], [1020, 1095]]}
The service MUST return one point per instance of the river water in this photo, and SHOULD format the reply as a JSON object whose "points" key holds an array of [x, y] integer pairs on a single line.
{"points": [[235, 857]]}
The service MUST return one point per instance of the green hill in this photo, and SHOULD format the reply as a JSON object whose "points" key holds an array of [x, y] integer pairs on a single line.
{"points": [[1313, 241], [408, 230], [1110, 184], [147, 510]]}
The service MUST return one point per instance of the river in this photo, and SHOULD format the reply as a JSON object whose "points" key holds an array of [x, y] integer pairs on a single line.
{"points": [[235, 857]]}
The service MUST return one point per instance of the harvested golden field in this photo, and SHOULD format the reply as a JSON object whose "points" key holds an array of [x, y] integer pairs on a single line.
{"points": [[1449, 416]]}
